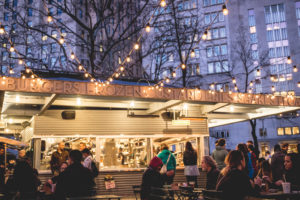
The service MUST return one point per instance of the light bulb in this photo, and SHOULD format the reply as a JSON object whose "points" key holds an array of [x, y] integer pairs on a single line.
{"points": [[235, 87], [221, 90], [86, 74], [234, 81], [61, 40], [174, 74], [273, 88], [204, 36], [49, 18], [110, 79], [80, 67], [11, 71], [225, 10], [92, 80], [32, 76], [251, 84], [12, 49], [167, 80], [136, 46], [148, 28], [20, 62], [193, 54], [117, 75], [299, 84], [183, 66], [23, 76], [289, 60], [2, 30], [161, 84], [272, 78], [257, 72], [169, 90], [72, 56], [128, 59], [295, 69], [27, 70], [121, 68], [163, 3]]}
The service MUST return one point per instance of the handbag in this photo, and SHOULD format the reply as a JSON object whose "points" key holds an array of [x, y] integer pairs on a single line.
{"points": [[164, 170]]}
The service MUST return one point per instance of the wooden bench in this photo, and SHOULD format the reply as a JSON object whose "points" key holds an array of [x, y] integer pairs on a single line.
{"points": [[108, 197]]}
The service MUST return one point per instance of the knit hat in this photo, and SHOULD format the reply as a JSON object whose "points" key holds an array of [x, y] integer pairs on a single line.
{"points": [[156, 162]]}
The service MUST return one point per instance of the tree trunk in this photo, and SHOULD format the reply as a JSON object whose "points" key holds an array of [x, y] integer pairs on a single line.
{"points": [[253, 133], [184, 78]]}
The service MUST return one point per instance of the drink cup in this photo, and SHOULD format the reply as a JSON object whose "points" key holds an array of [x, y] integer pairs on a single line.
{"points": [[286, 187]]}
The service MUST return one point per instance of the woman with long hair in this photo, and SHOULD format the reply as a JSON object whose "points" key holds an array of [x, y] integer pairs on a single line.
{"points": [[191, 170], [243, 148], [234, 182], [209, 165], [264, 176]]}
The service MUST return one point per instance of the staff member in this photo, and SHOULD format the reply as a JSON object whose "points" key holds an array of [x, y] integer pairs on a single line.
{"points": [[58, 157]]}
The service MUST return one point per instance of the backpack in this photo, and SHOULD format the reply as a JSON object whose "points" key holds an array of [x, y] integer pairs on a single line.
{"points": [[94, 169]]}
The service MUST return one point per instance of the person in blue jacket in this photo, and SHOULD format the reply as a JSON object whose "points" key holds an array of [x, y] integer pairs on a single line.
{"points": [[169, 160]]}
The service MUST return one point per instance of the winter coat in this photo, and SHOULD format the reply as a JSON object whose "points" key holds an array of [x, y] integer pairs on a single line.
{"points": [[151, 178], [277, 165], [164, 155], [57, 159], [212, 178], [219, 155], [75, 181], [235, 185]]}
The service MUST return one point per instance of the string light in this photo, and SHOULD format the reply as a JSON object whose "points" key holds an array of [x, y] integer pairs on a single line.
{"points": [[233, 80], [225, 10], [92, 80], [86, 74], [61, 40], [258, 72], [49, 18], [250, 91], [80, 67], [27, 70], [21, 62], [193, 54], [12, 48], [221, 90], [72, 56], [161, 84], [2, 30], [11, 71], [117, 75], [167, 80], [298, 84], [128, 59], [163, 3], [295, 69], [183, 66], [169, 90], [136, 46], [173, 74], [289, 60], [204, 36], [235, 87], [23, 76], [148, 28], [182, 90], [32, 76], [272, 78], [251, 84], [110, 79], [121, 68], [273, 88]]}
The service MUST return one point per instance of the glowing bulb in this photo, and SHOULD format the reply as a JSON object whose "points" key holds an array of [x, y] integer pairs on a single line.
{"points": [[167, 80], [92, 80], [289, 60], [174, 74], [251, 84], [169, 90], [235, 87], [32, 76], [225, 10], [21, 62], [86, 74], [78, 101], [272, 78], [27, 70], [161, 84], [182, 90], [110, 79], [221, 90], [23, 76], [80, 67], [72, 56], [128, 59], [234, 81], [183, 66], [298, 84], [2, 30], [258, 72], [12, 49], [230, 92], [136, 46], [61, 40], [295, 69], [273, 88], [121, 68], [193, 54], [11, 71], [204, 36], [148, 28], [163, 3], [49, 18], [117, 75]]}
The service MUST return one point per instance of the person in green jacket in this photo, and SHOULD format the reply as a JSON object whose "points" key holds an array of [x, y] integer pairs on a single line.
{"points": [[171, 165], [220, 153]]}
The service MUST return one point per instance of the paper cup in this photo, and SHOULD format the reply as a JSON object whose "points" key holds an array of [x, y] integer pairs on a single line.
{"points": [[286, 187]]}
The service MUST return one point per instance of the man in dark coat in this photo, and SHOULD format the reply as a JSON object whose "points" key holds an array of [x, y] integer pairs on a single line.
{"points": [[76, 180], [277, 163], [152, 178], [58, 157]]}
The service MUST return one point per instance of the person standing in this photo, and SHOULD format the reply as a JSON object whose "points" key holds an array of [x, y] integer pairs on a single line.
{"points": [[253, 158], [152, 177], [58, 157], [169, 160], [220, 153], [87, 158], [249, 168], [209, 165], [82, 146], [76, 180], [285, 148], [277, 163], [191, 170]]}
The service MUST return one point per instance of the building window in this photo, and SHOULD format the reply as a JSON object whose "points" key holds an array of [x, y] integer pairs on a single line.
{"points": [[30, 1], [53, 47], [218, 67], [212, 2], [59, 11], [80, 14], [53, 61], [6, 4], [6, 16], [288, 131], [213, 17], [275, 14], [296, 131], [280, 131], [15, 3], [29, 12], [216, 50]]}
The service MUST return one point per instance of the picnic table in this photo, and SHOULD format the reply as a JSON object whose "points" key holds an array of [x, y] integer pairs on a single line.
{"points": [[108, 197]]}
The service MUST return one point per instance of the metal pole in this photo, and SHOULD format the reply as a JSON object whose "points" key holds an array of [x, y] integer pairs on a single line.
{"points": [[5, 157]]}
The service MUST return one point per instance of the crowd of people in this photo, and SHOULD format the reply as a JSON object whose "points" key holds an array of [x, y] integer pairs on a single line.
{"points": [[73, 175], [237, 173]]}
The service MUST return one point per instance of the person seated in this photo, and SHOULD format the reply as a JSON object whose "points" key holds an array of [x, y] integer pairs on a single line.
{"points": [[291, 173], [264, 176], [233, 181], [49, 186], [24, 181], [152, 177], [209, 165], [76, 180]]}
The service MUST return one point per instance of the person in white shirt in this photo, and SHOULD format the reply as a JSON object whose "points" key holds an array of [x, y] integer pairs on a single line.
{"points": [[87, 158]]}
